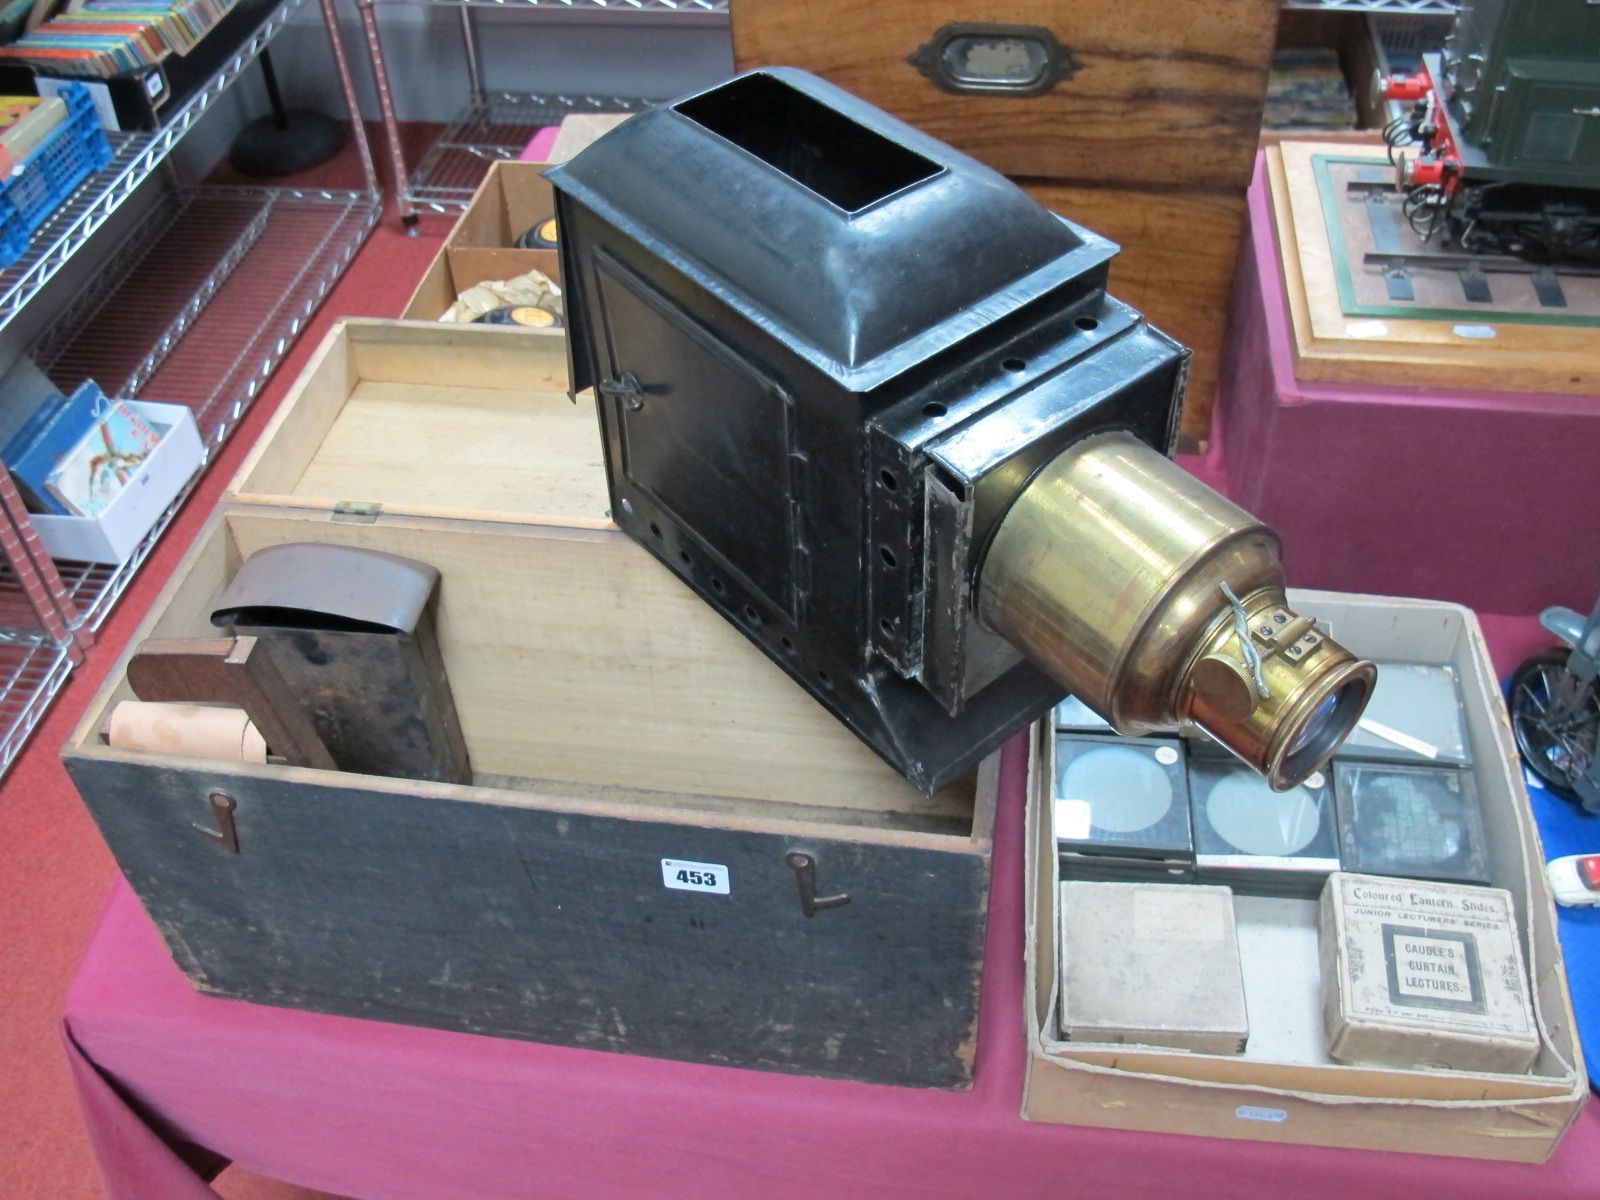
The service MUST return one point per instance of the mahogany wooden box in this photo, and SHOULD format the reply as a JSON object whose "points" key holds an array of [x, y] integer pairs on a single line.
{"points": [[1113, 93], [615, 724]]}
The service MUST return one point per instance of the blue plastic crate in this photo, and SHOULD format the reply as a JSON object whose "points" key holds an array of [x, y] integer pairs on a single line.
{"points": [[72, 151]]}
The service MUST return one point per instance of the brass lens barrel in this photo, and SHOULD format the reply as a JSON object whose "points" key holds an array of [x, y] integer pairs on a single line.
{"points": [[1156, 601]]}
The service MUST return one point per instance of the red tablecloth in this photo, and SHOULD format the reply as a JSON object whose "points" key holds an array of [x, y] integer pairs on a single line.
{"points": [[373, 1110]]}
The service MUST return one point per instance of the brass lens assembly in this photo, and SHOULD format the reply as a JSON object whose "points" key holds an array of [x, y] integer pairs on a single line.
{"points": [[1157, 601]]}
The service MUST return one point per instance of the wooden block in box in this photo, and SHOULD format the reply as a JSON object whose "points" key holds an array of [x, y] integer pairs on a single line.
{"points": [[1149, 92], [613, 720], [1280, 1090], [1179, 253], [1423, 974]]}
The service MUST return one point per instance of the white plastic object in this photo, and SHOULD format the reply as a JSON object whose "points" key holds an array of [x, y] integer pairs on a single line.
{"points": [[1575, 879]]}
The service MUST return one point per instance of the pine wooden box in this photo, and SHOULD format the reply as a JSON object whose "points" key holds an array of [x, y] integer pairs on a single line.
{"points": [[1284, 1088], [613, 720]]}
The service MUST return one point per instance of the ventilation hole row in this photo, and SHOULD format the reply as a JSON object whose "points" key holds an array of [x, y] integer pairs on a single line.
{"points": [[753, 614]]}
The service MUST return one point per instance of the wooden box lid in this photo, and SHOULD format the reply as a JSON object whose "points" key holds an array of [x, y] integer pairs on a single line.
{"points": [[402, 418]]}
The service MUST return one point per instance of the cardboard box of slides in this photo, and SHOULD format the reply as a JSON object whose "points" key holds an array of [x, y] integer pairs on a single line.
{"points": [[613, 721], [1284, 1087]]}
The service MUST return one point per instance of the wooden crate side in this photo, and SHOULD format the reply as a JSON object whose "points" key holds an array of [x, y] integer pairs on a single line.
{"points": [[1164, 93], [409, 352], [467, 451], [573, 655], [1073, 1093], [556, 926], [182, 609], [434, 293], [311, 406]]}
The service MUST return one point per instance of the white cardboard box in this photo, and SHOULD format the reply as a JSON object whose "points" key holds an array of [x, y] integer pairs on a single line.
{"points": [[1417, 973], [114, 535], [1284, 1088], [1152, 962]]}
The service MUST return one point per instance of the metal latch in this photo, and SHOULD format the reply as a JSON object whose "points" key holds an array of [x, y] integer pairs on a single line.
{"points": [[627, 389], [805, 875], [226, 834]]}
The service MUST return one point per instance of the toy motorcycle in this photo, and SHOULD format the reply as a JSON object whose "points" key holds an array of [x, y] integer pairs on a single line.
{"points": [[1555, 708]]}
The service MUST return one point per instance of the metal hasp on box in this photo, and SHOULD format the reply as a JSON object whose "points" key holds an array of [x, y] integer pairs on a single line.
{"points": [[873, 404], [352, 632]]}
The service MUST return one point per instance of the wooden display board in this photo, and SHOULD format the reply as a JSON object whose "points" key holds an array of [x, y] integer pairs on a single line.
{"points": [[1497, 351]]}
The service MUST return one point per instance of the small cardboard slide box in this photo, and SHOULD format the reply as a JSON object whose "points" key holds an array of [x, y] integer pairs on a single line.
{"points": [[1285, 1088], [482, 246], [1423, 973], [1174, 978], [115, 534], [651, 795]]}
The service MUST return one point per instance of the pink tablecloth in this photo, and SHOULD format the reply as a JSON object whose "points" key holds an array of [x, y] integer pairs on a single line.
{"points": [[371, 1110]]}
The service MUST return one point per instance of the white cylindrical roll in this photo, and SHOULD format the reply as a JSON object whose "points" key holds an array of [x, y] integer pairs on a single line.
{"points": [[187, 730]]}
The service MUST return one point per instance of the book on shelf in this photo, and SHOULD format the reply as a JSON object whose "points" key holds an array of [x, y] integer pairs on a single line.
{"points": [[99, 39], [56, 424], [25, 121]]}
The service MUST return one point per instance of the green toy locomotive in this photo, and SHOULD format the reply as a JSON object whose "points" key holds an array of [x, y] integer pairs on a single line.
{"points": [[1507, 125]]}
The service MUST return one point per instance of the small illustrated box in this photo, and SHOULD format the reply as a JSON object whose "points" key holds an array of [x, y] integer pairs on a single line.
{"points": [[1154, 964], [115, 534], [1424, 975]]}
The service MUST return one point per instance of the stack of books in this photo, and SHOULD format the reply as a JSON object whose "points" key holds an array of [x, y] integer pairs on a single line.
{"points": [[99, 39], [1307, 90]]}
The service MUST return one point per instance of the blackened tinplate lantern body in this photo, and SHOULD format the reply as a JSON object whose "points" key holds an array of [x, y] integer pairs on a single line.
{"points": [[829, 353]]}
